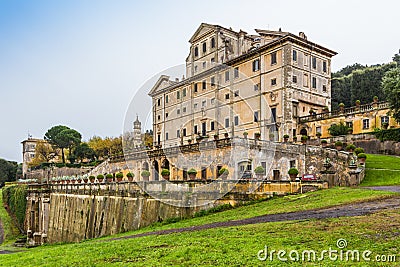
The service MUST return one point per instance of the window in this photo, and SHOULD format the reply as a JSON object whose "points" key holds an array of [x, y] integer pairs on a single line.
{"points": [[324, 68], [178, 134], [166, 115], [184, 110], [159, 117], [256, 65], [294, 55], [349, 124], [365, 123], [236, 93], [256, 87], [212, 60], [236, 120], [384, 119], [294, 132], [227, 122], [212, 42], [204, 103], [273, 81], [184, 131], [255, 116], [196, 51], [318, 129], [305, 80], [195, 105], [273, 115], [204, 47], [166, 99], [324, 88], [195, 68], [212, 81], [292, 164], [166, 136], [212, 126], [204, 85], [178, 95], [305, 59], [195, 87], [204, 65], [226, 75], [184, 92], [314, 82], [295, 110], [236, 72], [294, 79], [178, 111], [159, 102], [226, 96], [314, 62], [273, 58], [195, 129], [203, 128], [212, 101]]}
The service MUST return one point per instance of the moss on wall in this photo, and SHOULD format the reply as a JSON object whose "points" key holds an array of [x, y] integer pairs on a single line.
{"points": [[14, 199]]}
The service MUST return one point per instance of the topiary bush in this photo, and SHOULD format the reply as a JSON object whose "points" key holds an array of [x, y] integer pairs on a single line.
{"points": [[119, 175], [259, 170], [109, 176], [350, 147], [362, 156], [358, 150], [293, 171], [165, 172], [130, 175], [100, 176], [192, 171], [223, 171], [145, 173]]}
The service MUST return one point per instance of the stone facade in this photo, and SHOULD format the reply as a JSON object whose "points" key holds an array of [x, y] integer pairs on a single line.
{"points": [[28, 153]]}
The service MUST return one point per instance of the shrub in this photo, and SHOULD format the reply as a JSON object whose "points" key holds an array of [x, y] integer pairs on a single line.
{"points": [[245, 133], [293, 171], [145, 173], [376, 98], [223, 171], [109, 176], [350, 147], [341, 105], [358, 102], [130, 175], [91, 177], [119, 175], [338, 143], [259, 170], [192, 171], [388, 135], [100, 176], [318, 134], [338, 129], [358, 150], [323, 141], [165, 172], [304, 138], [362, 156], [286, 136]]}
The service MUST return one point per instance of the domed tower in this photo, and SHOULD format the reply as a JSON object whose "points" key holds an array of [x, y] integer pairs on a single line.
{"points": [[137, 133]]}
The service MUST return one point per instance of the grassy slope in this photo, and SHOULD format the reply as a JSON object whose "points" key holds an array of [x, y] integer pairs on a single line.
{"points": [[218, 247], [10, 231], [382, 170]]}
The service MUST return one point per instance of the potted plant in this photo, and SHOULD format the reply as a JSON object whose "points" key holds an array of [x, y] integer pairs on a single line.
{"points": [[271, 136], [375, 99], [350, 130], [361, 158], [226, 135], [100, 178], [285, 138], [130, 176], [245, 134], [358, 103], [295, 138], [318, 134], [257, 136], [145, 175], [325, 109], [192, 174], [350, 148], [339, 145], [358, 150], [293, 172], [91, 178], [259, 171], [341, 107], [324, 143], [385, 125], [85, 179], [189, 141], [223, 173], [198, 138], [119, 176], [216, 136], [304, 139], [165, 174], [109, 177]]}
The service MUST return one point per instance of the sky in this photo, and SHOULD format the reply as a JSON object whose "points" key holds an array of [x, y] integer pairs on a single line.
{"points": [[80, 63]]}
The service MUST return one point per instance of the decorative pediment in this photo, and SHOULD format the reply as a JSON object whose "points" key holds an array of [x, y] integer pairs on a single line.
{"points": [[161, 83], [202, 30]]}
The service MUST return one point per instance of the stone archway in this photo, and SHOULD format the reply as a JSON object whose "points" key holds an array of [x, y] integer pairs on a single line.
{"points": [[156, 170], [304, 132]]}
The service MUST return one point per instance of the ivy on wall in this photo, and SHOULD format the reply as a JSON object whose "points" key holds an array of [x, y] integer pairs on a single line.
{"points": [[14, 198]]}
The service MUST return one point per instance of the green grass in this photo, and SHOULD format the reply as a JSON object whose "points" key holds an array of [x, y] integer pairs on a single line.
{"points": [[382, 170], [10, 231], [237, 246]]}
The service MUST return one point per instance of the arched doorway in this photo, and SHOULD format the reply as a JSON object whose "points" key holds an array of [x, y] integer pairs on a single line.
{"points": [[303, 132], [145, 166], [156, 170], [165, 164]]}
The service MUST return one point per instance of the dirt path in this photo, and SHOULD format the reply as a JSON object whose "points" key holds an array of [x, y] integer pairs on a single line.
{"points": [[392, 188], [354, 209]]}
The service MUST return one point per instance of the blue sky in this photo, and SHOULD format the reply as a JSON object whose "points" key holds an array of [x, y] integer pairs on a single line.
{"points": [[79, 63]]}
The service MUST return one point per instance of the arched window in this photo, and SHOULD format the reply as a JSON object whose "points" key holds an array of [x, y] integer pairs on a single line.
{"points": [[212, 42], [196, 51]]}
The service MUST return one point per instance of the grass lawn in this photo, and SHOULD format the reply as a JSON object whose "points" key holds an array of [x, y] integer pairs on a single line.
{"points": [[237, 246], [382, 170], [233, 246]]}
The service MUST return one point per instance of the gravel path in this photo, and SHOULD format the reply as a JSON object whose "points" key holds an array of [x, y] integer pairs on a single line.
{"points": [[392, 188], [354, 209]]}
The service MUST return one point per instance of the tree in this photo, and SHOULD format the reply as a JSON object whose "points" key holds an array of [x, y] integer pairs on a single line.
{"points": [[106, 147], [338, 129], [63, 137], [83, 151], [396, 58], [8, 171], [44, 152], [391, 88]]}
